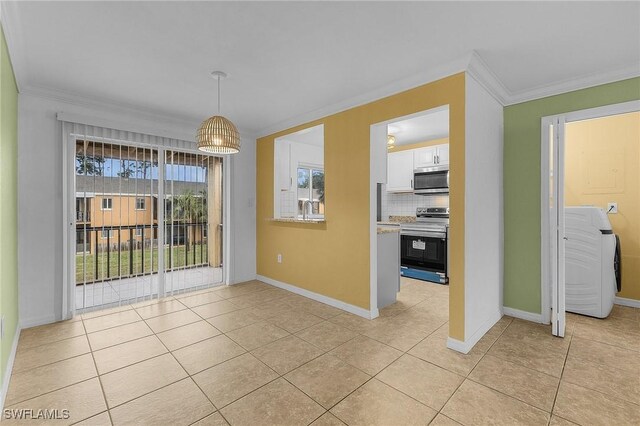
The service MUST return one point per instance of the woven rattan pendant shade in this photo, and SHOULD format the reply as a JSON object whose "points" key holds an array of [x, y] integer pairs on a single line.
{"points": [[217, 135]]}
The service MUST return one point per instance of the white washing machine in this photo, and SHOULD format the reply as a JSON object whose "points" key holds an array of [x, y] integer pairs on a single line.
{"points": [[592, 265]]}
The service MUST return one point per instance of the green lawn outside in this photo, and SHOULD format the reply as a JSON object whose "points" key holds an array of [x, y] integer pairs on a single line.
{"points": [[179, 257]]}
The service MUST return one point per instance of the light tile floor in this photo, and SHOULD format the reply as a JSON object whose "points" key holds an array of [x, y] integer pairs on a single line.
{"points": [[106, 294], [252, 354]]}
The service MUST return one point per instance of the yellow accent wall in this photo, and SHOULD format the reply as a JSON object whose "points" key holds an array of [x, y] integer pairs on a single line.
{"points": [[417, 145], [332, 259], [602, 165]]}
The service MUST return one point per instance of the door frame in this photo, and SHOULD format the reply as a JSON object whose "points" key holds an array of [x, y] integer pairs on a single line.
{"points": [[547, 288], [69, 217], [377, 155]]}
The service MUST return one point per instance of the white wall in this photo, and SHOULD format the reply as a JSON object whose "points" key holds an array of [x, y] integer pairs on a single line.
{"points": [[40, 228], [483, 211]]}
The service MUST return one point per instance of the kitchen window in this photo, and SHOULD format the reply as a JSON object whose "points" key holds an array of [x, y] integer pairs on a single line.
{"points": [[107, 203], [311, 188], [141, 204]]}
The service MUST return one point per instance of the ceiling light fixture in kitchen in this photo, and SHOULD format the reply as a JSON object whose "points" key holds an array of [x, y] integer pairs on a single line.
{"points": [[391, 140], [218, 135]]}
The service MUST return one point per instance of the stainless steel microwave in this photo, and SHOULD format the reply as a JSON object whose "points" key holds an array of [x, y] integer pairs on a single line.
{"points": [[431, 180]]}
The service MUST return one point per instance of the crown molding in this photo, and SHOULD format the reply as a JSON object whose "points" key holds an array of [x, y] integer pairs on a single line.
{"points": [[472, 63], [480, 71], [11, 28], [131, 111], [569, 85], [401, 85]]}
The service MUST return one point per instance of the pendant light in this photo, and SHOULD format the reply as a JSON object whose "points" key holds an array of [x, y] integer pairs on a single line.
{"points": [[391, 140], [216, 134]]}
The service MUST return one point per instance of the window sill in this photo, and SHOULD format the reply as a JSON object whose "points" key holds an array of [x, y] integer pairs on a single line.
{"points": [[296, 220]]}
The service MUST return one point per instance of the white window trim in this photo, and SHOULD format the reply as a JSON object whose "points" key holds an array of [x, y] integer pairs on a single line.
{"points": [[311, 168], [102, 203], [144, 203]]}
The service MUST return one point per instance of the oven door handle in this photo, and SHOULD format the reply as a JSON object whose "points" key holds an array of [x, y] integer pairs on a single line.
{"points": [[425, 234]]}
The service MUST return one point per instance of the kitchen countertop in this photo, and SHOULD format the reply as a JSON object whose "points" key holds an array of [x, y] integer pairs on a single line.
{"points": [[402, 219], [387, 230]]}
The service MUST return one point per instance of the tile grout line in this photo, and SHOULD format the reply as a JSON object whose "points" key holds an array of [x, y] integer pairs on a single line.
{"points": [[91, 351], [104, 395], [467, 376]]}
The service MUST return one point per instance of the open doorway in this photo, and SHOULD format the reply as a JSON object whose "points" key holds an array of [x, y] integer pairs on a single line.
{"points": [[412, 214], [590, 212]]}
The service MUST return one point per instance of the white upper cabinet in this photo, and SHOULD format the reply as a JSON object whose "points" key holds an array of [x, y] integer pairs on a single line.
{"points": [[400, 171], [437, 155], [400, 165], [425, 157], [443, 155]]}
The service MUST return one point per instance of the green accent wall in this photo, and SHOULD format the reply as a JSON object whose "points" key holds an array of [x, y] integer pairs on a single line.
{"points": [[522, 136], [8, 202]]}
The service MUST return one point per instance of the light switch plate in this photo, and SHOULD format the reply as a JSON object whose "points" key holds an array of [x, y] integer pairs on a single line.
{"points": [[612, 208]]}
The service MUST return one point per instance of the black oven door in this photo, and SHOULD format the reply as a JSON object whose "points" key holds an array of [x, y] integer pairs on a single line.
{"points": [[424, 250]]}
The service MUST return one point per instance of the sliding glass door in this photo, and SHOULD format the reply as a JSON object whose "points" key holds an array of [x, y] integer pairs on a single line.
{"points": [[148, 222], [192, 220]]}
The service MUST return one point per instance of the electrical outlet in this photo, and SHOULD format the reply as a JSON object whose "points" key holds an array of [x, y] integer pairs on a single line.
{"points": [[279, 258], [612, 208]]}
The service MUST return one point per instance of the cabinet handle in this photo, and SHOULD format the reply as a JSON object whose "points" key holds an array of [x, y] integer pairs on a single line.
{"points": [[411, 183]]}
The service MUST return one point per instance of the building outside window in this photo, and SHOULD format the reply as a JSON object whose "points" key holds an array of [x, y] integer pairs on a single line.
{"points": [[141, 204], [108, 233], [107, 203]]}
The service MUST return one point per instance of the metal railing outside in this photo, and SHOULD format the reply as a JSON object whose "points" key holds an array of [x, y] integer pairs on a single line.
{"points": [[113, 252]]}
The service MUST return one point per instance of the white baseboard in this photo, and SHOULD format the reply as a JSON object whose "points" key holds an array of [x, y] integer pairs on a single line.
{"points": [[627, 302], [7, 372], [471, 341], [527, 316], [356, 310]]}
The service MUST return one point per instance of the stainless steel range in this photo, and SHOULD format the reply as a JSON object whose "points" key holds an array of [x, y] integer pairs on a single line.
{"points": [[424, 250]]}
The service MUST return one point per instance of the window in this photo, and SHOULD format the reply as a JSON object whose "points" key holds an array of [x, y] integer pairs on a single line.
{"points": [[108, 233], [310, 188], [141, 204], [138, 232], [107, 203], [298, 178]]}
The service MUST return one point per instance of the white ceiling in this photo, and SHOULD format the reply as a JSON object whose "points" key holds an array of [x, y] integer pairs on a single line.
{"points": [[432, 125], [289, 59], [310, 136]]}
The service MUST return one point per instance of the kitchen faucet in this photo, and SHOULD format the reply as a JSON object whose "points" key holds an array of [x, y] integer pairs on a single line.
{"points": [[304, 209]]}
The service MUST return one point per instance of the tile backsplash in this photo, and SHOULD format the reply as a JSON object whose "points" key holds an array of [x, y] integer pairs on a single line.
{"points": [[405, 204]]}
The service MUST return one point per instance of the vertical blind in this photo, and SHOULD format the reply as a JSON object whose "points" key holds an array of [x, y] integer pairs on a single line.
{"points": [[147, 216]]}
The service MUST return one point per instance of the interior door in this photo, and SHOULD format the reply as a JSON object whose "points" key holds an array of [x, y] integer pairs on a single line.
{"points": [[557, 235]]}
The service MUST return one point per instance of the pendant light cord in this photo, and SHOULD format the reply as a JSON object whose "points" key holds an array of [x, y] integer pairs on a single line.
{"points": [[218, 95]]}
